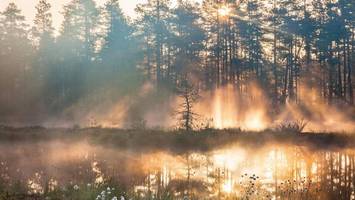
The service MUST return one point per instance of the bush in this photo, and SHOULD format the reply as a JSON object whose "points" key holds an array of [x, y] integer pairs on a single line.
{"points": [[292, 126]]}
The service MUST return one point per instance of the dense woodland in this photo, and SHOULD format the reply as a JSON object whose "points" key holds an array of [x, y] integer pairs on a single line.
{"points": [[100, 55]]}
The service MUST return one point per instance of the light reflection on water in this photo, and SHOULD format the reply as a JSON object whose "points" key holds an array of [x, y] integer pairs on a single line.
{"points": [[235, 172]]}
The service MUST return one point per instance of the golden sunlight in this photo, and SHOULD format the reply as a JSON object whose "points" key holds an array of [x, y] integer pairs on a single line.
{"points": [[177, 99], [255, 121], [228, 187], [224, 11], [224, 111]]}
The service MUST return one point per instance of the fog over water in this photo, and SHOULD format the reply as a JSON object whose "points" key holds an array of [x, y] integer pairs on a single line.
{"points": [[177, 100], [285, 171]]}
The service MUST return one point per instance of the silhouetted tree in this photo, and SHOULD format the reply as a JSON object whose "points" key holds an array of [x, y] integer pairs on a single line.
{"points": [[43, 33], [153, 26], [189, 95], [15, 58]]}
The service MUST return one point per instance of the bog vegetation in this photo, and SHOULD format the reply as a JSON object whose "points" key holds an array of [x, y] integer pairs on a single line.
{"points": [[81, 164], [215, 99]]}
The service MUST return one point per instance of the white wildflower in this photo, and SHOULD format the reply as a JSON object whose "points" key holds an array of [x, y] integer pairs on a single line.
{"points": [[76, 187]]}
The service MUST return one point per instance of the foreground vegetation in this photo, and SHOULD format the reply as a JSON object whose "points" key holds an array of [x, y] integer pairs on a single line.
{"points": [[82, 192]]}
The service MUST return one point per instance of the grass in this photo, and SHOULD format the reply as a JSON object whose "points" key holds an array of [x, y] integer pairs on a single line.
{"points": [[179, 141], [82, 192], [292, 126]]}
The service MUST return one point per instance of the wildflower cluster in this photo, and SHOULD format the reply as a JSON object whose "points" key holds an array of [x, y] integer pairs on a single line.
{"points": [[108, 194]]}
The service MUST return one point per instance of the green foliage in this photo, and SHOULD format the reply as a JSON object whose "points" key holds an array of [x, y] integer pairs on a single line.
{"points": [[102, 56]]}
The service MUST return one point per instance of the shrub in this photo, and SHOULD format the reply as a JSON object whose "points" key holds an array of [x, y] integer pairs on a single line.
{"points": [[292, 126]]}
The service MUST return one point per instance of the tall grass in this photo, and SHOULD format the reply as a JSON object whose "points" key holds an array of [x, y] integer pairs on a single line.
{"points": [[297, 126]]}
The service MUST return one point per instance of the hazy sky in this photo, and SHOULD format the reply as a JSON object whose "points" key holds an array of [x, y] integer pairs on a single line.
{"points": [[28, 7]]}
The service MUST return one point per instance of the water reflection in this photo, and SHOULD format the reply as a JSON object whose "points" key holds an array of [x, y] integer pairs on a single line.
{"points": [[235, 172]]}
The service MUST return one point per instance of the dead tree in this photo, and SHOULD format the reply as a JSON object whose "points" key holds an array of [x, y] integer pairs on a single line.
{"points": [[189, 95]]}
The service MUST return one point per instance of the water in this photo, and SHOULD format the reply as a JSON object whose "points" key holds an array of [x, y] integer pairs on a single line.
{"points": [[239, 171]]}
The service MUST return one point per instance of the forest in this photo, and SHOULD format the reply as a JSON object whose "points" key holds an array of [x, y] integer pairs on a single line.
{"points": [[184, 64], [182, 100]]}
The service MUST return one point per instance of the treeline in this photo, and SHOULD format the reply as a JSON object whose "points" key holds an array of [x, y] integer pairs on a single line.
{"points": [[101, 55]]}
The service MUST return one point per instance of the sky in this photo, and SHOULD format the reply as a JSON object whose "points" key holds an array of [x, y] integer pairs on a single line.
{"points": [[28, 8]]}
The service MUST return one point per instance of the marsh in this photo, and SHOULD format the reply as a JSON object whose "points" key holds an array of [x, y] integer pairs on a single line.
{"points": [[80, 164]]}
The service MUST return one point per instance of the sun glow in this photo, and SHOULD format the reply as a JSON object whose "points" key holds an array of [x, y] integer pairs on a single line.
{"points": [[230, 159], [255, 121], [228, 187], [224, 11], [224, 108], [228, 109]]}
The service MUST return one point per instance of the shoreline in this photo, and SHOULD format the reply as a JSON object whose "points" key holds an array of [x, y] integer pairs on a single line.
{"points": [[177, 141]]}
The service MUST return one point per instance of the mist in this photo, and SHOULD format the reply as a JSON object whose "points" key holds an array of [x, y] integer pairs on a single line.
{"points": [[186, 100], [104, 70]]}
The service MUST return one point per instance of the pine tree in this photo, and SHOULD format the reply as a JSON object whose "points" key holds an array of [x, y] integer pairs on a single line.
{"points": [[15, 57], [43, 29], [42, 68], [79, 26], [120, 53], [152, 20], [187, 40], [251, 34], [76, 51], [290, 49], [119, 34]]}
